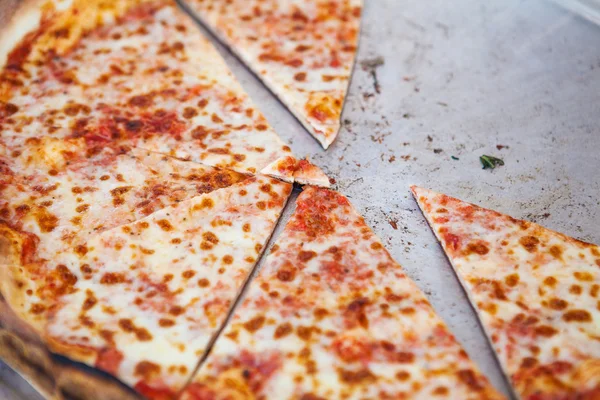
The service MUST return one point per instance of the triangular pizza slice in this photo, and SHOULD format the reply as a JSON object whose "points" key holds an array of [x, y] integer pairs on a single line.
{"points": [[537, 293], [137, 73], [332, 316], [57, 196], [141, 301], [303, 50], [302, 172]]}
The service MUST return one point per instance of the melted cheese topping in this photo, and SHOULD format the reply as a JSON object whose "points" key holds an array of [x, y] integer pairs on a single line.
{"points": [[537, 293], [303, 50], [331, 315], [142, 300], [147, 78], [54, 193]]}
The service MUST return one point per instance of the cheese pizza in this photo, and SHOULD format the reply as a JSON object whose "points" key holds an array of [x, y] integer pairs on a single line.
{"points": [[141, 300], [303, 172], [134, 72], [537, 293], [332, 316], [59, 198], [303, 50], [128, 218]]}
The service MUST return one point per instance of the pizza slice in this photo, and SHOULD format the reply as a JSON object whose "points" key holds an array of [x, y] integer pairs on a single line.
{"points": [[303, 50], [302, 172], [136, 73], [58, 196], [537, 293], [141, 301], [331, 315]]}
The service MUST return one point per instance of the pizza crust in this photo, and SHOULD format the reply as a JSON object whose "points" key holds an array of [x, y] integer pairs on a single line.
{"points": [[11, 244], [54, 377], [24, 17]]}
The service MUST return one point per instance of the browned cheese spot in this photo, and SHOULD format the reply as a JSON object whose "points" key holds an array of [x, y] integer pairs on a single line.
{"points": [[176, 310], [142, 101], [320, 313], [287, 273], [583, 276], [310, 396], [529, 362], [577, 316], [254, 324], [90, 300], [550, 281], [127, 325], [440, 391], [575, 289], [166, 323], [300, 76], [37, 309], [146, 369], [203, 282], [402, 376], [188, 274], [556, 252], [477, 247], [205, 203], [360, 377], [546, 331], [304, 332], [227, 259], [530, 243], [46, 221], [512, 280], [376, 246], [557, 304], [305, 256], [112, 278], [469, 378], [81, 250], [165, 225], [189, 112], [108, 336], [282, 330]]}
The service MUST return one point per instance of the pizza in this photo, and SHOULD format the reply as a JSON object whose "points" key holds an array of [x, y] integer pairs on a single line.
{"points": [[332, 316], [537, 293], [303, 50], [59, 206], [131, 72], [132, 208], [302, 171], [142, 300]]}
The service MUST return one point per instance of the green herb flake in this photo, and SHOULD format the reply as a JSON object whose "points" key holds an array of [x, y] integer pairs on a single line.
{"points": [[455, 158], [490, 162]]}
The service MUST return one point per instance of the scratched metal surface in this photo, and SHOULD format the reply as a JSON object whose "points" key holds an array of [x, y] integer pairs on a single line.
{"points": [[458, 79]]}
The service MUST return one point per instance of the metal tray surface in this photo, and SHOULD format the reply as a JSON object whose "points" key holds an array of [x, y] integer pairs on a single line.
{"points": [[437, 84]]}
